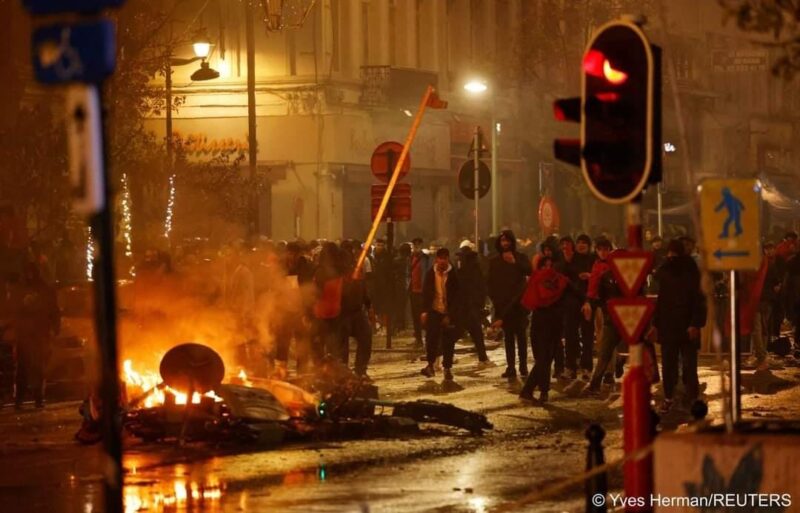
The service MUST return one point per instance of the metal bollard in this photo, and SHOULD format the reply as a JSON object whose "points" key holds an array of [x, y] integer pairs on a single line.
{"points": [[595, 485]]}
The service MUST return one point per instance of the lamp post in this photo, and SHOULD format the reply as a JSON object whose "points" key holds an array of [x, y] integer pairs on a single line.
{"points": [[478, 87], [202, 49]]}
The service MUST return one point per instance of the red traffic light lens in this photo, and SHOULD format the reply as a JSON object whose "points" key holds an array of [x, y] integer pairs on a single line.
{"points": [[596, 64]]}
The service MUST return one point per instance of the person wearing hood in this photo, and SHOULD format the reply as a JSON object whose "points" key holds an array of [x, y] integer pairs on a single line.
{"points": [[572, 265], [506, 282], [473, 287], [543, 295], [441, 313], [602, 287], [679, 316]]}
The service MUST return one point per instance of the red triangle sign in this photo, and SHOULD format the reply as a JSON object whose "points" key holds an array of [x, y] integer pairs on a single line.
{"points": [[630, 269], [630, 316]]}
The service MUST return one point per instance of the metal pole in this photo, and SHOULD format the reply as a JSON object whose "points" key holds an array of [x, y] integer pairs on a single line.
{"points": [[168, 98], [735, 398], [660, 211], [390, 160], [637, 418], [253, 210], [476, 161], [495, 181], [106, 329]]}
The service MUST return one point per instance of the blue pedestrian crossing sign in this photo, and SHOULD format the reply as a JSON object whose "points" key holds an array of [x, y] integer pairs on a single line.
{"points": [[730, 218]]}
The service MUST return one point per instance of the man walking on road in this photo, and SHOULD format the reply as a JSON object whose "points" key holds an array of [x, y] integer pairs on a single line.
{"points": [[440, 313], [506, 281], [680, 314], [473, 288], [602, 287], [418, 266]]}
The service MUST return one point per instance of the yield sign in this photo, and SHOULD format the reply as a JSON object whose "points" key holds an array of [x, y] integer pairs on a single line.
{"points": [[630, 269], [630, 316]]}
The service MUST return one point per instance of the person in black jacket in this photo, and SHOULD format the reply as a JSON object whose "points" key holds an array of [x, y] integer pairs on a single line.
{"points": [[680, 314], [546, 325], [441, 310], [356, 314], [571, 266], [473, 289], [584, 260], [506, 282]]}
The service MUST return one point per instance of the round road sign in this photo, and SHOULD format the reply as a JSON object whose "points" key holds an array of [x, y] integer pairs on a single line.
{"points": [[384, 159], [466, 179], [549, 217]]}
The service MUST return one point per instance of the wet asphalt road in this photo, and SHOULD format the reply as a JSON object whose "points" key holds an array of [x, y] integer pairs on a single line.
{"points": [[442, 470]]}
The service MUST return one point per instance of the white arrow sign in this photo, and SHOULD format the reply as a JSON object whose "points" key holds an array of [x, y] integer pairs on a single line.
{"points": [[85, 142]]}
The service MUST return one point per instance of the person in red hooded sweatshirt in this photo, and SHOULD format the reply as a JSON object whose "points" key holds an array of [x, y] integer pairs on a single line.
{"points": [[602, 287], [543, 294]]}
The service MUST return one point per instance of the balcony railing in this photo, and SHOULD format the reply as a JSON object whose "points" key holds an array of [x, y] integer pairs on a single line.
{"points": [[394, 87]]}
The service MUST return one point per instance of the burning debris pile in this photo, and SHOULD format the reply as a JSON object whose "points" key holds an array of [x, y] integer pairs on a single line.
{"points": [[188, 401]]}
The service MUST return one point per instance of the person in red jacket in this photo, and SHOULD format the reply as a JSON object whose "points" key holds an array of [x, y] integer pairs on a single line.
{"points": [[543, 296]]}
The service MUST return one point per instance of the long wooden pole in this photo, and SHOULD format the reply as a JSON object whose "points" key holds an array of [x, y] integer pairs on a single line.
{"points": [[395, 176]]}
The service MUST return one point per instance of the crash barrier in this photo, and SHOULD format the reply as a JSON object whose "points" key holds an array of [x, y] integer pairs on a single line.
{"points": [[570, 482], [597, 484]]}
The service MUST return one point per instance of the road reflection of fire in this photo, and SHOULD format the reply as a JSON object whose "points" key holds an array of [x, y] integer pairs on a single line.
{"points": [[176, 494], [149, 383]]}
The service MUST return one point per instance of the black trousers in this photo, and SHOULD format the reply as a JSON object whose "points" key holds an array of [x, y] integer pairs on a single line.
{"points": [[440, 339], [678, 349], [415, 298], [293, 327], [356, 325], [515, 325], [587, 343], [474, 326], [328, 339], [545, 336]]}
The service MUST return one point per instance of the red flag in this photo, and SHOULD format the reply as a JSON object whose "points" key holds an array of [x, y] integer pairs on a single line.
{"points": [[545, 287], [435, 102]]}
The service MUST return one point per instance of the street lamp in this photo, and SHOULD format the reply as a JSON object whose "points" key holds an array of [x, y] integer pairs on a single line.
{"points": [[477, 87], [202, 49]]}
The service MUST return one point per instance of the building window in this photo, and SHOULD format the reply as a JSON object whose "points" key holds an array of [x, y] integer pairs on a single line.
{"points": [[365, 33], [392, 33], [418, 31], [335, 34], [291, 51]]}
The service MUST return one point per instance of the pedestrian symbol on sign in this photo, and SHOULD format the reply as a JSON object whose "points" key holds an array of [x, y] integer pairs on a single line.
{"points": [[734, 206]]}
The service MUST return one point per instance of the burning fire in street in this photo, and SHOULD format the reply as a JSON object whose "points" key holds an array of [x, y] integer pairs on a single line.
{"points": [[150, 384]]}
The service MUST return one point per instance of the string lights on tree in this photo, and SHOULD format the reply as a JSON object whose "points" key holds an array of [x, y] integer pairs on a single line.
{"points": [[126, 222], [170, 206], [90, 256]]}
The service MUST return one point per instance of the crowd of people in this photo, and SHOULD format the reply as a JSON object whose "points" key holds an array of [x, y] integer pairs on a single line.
{"points": [[554, 296]]}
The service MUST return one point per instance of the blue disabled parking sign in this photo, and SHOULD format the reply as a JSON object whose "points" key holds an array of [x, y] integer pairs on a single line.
{"points": [[84, 52], [729, 214], [44, 7]]}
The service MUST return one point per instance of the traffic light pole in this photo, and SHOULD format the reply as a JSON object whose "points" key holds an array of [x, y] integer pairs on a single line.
{"points": [[637, 418]]}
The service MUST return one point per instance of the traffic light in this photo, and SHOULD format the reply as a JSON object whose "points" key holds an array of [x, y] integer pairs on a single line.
{"points": [[619, 112]]}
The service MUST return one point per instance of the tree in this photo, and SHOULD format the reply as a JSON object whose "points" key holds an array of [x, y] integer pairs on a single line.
{"points": [[779, 20]]}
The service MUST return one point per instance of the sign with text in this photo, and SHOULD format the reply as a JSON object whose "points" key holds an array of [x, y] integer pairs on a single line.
{"points": [[730, 217]]}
